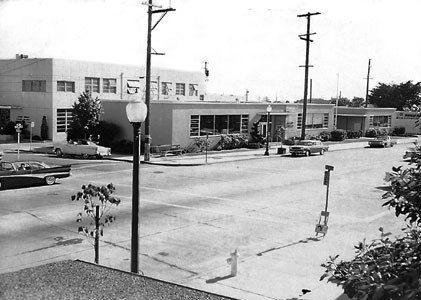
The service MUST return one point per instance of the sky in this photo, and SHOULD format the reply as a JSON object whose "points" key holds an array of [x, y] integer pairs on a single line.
{"points": [[248, 45]]}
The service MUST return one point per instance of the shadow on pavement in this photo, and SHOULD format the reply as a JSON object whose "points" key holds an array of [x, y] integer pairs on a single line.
{"points": [[218, 278], [303, 241]]}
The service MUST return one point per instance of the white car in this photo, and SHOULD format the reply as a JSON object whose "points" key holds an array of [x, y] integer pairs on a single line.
{"points": [[82, 148]]}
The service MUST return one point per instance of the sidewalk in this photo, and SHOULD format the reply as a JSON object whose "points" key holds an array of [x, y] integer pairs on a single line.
{"points": [[197, 159]]}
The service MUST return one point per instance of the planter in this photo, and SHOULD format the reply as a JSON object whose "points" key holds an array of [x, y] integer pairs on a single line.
{"points": [[282, 150]]}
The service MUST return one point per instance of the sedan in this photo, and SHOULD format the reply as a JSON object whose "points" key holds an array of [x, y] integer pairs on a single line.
{"points": [[82, 148], [20, 173], [308, 147]]}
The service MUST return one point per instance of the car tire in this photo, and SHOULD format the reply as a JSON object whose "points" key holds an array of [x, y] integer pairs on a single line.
{"points": [[307, 153], [49, 180], [1, 185], [59, 153], [85, 155], [322, 151]]}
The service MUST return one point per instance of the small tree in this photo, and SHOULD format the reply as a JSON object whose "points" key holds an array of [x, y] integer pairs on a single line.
{"points": [[86, 114], [97, 204]]}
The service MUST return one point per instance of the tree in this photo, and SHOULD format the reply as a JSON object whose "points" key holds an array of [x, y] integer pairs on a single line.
{"points": [[400, 96], [387, 268], [86, 115], [97, 204], [342, 101], [356, 102]]}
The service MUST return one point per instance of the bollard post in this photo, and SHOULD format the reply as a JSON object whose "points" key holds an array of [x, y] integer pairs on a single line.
{"points": [[97, 234]]}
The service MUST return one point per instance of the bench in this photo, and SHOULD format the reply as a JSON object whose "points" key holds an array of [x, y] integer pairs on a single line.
{"points": [[163, 150]]}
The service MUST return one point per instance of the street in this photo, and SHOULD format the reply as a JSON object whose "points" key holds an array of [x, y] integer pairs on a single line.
{"points": [[192, 218]]}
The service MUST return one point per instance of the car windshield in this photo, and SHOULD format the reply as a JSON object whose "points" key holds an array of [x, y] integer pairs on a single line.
{"points": [[305, 143]]}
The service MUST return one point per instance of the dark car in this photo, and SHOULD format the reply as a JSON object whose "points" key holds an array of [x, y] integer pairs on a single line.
{"points": [[21, 173], [308, 147]]}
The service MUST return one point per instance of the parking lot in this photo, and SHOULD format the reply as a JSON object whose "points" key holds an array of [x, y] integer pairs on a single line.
{"points": [[193, 217]]}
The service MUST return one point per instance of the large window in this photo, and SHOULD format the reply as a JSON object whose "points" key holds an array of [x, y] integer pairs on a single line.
{"points": [[180, 89], [64, 119], [109, 85], [92, 84], [381, 121], [33, 85], [314, 121], [218, 124], [66, 86]]}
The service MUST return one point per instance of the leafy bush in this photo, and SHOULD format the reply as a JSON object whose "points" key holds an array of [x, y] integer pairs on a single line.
{"points": [[106, 131], [325, 136], [256, 136], [399, 131], [200, 144], [123, 146], [9, 128], [253, 146], [36, 138], [232, 141], [384, 269], [354, 134], [338, 135]]}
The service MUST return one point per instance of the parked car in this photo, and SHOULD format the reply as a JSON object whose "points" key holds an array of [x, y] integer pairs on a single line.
{"points": [[382, 141], [82, 148], [20, 173], [308, 147]]}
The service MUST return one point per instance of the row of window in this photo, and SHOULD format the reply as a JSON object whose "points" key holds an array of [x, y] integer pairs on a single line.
{"points": [[109, 85], [313, 121], [201, 125]]}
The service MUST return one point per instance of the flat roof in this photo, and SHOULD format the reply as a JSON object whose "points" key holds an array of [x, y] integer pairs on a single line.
{"points": [[75, 279]]}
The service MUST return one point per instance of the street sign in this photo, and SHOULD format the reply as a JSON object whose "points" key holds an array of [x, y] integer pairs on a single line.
{"points": [[32, 124], [18, 127]]}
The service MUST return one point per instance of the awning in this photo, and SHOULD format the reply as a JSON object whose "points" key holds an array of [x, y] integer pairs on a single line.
{"points": [[10, 107], [351, 115], [277, 113]]}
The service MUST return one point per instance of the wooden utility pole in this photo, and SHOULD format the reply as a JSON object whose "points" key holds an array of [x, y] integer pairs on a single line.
{"points": [[368, 82], [148, 72], [306, 37]]}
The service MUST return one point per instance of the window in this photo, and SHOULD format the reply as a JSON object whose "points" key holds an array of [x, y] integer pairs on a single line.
{"points": [[180, 89], [381, 121], [218, 124], [33, 85], [64, 119], [192, 89], [300, 121], [325, 120], [66, 86], [92, 84], [133, 86], [166, 88], [109, 85]]}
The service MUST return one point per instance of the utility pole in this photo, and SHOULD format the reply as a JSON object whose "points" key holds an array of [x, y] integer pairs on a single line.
{"points": [[368, 82], [306, 37], [151, 11]]}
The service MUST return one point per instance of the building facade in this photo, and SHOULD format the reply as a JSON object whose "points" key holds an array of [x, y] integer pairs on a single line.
{"points": [[33, 88], [180, 109]]}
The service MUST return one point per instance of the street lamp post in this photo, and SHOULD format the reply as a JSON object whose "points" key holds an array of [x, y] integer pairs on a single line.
{"points": [[268, 110], [136, 113]]}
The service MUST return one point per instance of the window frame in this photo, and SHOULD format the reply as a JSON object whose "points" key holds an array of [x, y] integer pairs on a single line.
{"points": [[90, 86], [197, 122], [34, 86], [109, 85], [180, 89], [65, 85], [63, 120]]}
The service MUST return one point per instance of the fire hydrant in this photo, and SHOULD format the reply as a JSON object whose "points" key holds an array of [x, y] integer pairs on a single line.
{"points": [[233, 261]]}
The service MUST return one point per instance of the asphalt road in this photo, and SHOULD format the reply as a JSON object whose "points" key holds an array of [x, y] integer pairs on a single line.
{"points": [[191, 218]]}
